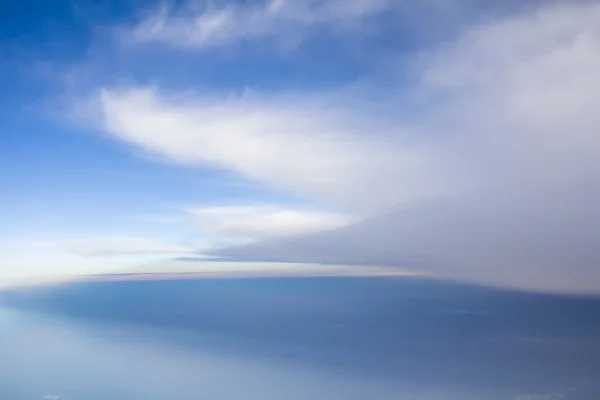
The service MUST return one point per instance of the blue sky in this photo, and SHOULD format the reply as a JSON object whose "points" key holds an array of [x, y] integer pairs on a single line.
{"points": [[66, 181], [270, 129]]}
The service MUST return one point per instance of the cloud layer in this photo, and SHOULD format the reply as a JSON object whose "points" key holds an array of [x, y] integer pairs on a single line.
{"points": [[494, 178]]}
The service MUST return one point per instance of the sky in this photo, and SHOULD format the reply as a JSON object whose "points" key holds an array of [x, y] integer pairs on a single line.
{"points": [[453, 137]]}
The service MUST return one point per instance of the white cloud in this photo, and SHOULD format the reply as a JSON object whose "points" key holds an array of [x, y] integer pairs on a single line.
{"points": [[264, 222], [503, 179], [204, 26], [309, 145]]}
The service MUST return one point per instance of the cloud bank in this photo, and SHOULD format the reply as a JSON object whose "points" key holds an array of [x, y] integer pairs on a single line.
{"points": [[493, 177]]}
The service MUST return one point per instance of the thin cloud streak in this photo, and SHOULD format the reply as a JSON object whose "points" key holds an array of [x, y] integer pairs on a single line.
{"points": [[259, 222], [201, 27]]}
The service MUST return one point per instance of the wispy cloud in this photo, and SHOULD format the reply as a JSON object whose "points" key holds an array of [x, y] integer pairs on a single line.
{"points": [[311, 145], [205, 25], [256, 222]]}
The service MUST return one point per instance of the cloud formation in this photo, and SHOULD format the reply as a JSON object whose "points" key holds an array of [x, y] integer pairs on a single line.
{"points": [[205, 25], [259, 222], [494, 179], [311, 145]]}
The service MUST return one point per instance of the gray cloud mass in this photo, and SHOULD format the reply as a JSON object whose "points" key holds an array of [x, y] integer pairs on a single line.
{"points": [[521, 136]]}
